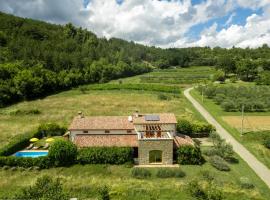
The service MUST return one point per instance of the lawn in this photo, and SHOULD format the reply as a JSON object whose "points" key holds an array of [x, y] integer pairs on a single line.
{"points": [[251, 143], [62, 107]]}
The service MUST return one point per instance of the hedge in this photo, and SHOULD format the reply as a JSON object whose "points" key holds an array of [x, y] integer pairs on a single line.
{"points": [[195, 129], [146, 87], [105, 155], [21, 141], [189, 155], [42, 162]]}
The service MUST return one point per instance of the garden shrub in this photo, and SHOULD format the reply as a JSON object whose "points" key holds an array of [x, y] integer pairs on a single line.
{"points": [[207, 191], [200, 127], [104, 193], [266, 142], [245, 183], [189, 155], [194, 129], [51, 129], [162, 96], [45, 188], [140, 173], [184, 127], [196, 190], [220, 148], [219, 163], [105, 155], [169, 173], [62, 153]]}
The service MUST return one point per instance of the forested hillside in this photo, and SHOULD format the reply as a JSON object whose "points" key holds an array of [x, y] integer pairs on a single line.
{"points": [[38, 58]]}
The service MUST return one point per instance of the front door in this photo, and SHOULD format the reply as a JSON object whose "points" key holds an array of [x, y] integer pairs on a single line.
{"points": [[155, 156]]}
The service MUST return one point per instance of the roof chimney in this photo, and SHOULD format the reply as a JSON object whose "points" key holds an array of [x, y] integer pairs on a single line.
{"points": [[136, 114], [80, 114]]}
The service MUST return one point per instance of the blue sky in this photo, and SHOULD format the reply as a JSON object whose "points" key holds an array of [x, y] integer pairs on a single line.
{"points": [[164, 23]]}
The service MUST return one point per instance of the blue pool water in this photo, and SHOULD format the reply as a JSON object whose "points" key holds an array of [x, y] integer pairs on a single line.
{"points": [[32, 154]]}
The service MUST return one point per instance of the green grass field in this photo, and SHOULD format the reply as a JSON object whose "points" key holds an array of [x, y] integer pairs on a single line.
{"points": [[253, 145], [62, 107]]}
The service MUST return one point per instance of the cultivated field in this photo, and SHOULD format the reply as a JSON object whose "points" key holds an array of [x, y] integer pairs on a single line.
{"points": [[250, 123], [182, 76]]}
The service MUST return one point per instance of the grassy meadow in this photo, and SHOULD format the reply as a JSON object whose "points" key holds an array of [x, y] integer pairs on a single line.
{"points": [[83, 181], [62, 107], [248, 139]]}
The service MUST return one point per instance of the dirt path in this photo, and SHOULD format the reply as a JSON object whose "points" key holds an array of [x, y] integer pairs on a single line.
{"points": [[260, 169]]}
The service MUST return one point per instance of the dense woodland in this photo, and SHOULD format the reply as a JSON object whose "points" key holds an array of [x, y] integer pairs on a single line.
{"points": [[37, 59]]}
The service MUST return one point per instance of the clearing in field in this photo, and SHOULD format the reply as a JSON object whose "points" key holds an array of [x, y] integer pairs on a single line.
{"points": [[251, 123]]}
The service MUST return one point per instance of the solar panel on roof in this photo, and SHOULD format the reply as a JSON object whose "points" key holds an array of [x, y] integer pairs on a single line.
{"points": [[151, 118]]}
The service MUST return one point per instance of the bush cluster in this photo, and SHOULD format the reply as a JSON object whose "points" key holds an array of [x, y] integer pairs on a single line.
{"points": [[105, 155], [219, 163], [140, 173], [169, 173], [189, 155], [194, 129]]}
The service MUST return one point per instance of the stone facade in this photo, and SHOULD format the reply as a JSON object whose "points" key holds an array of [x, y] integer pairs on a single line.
{"points": [[147, 145]]}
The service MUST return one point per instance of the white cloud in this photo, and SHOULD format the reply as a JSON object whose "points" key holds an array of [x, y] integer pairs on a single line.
{"points": [[254, 33], [152, 22]]}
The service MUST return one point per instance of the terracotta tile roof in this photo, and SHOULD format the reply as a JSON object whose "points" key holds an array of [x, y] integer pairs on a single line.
{"points": [[106, 140], [164, 118], [181, 140], [101, 123]]}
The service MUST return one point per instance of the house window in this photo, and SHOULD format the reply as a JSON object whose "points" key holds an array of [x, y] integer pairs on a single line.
{"points": [[129, 131], [107, 131], [85, 131], [155, 156]]}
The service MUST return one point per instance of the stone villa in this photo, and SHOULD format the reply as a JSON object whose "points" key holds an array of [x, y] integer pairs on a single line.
{"points": [[153, 136]]}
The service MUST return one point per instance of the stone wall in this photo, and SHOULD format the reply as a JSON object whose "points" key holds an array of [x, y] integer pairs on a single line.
{"points": [[164, 145]]}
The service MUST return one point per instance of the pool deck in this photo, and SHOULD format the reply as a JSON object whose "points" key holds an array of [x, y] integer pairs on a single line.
{"points": [[33, 150]]}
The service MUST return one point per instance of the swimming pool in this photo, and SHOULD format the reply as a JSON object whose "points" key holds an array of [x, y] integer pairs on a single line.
{"points": [[32, 154]]}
